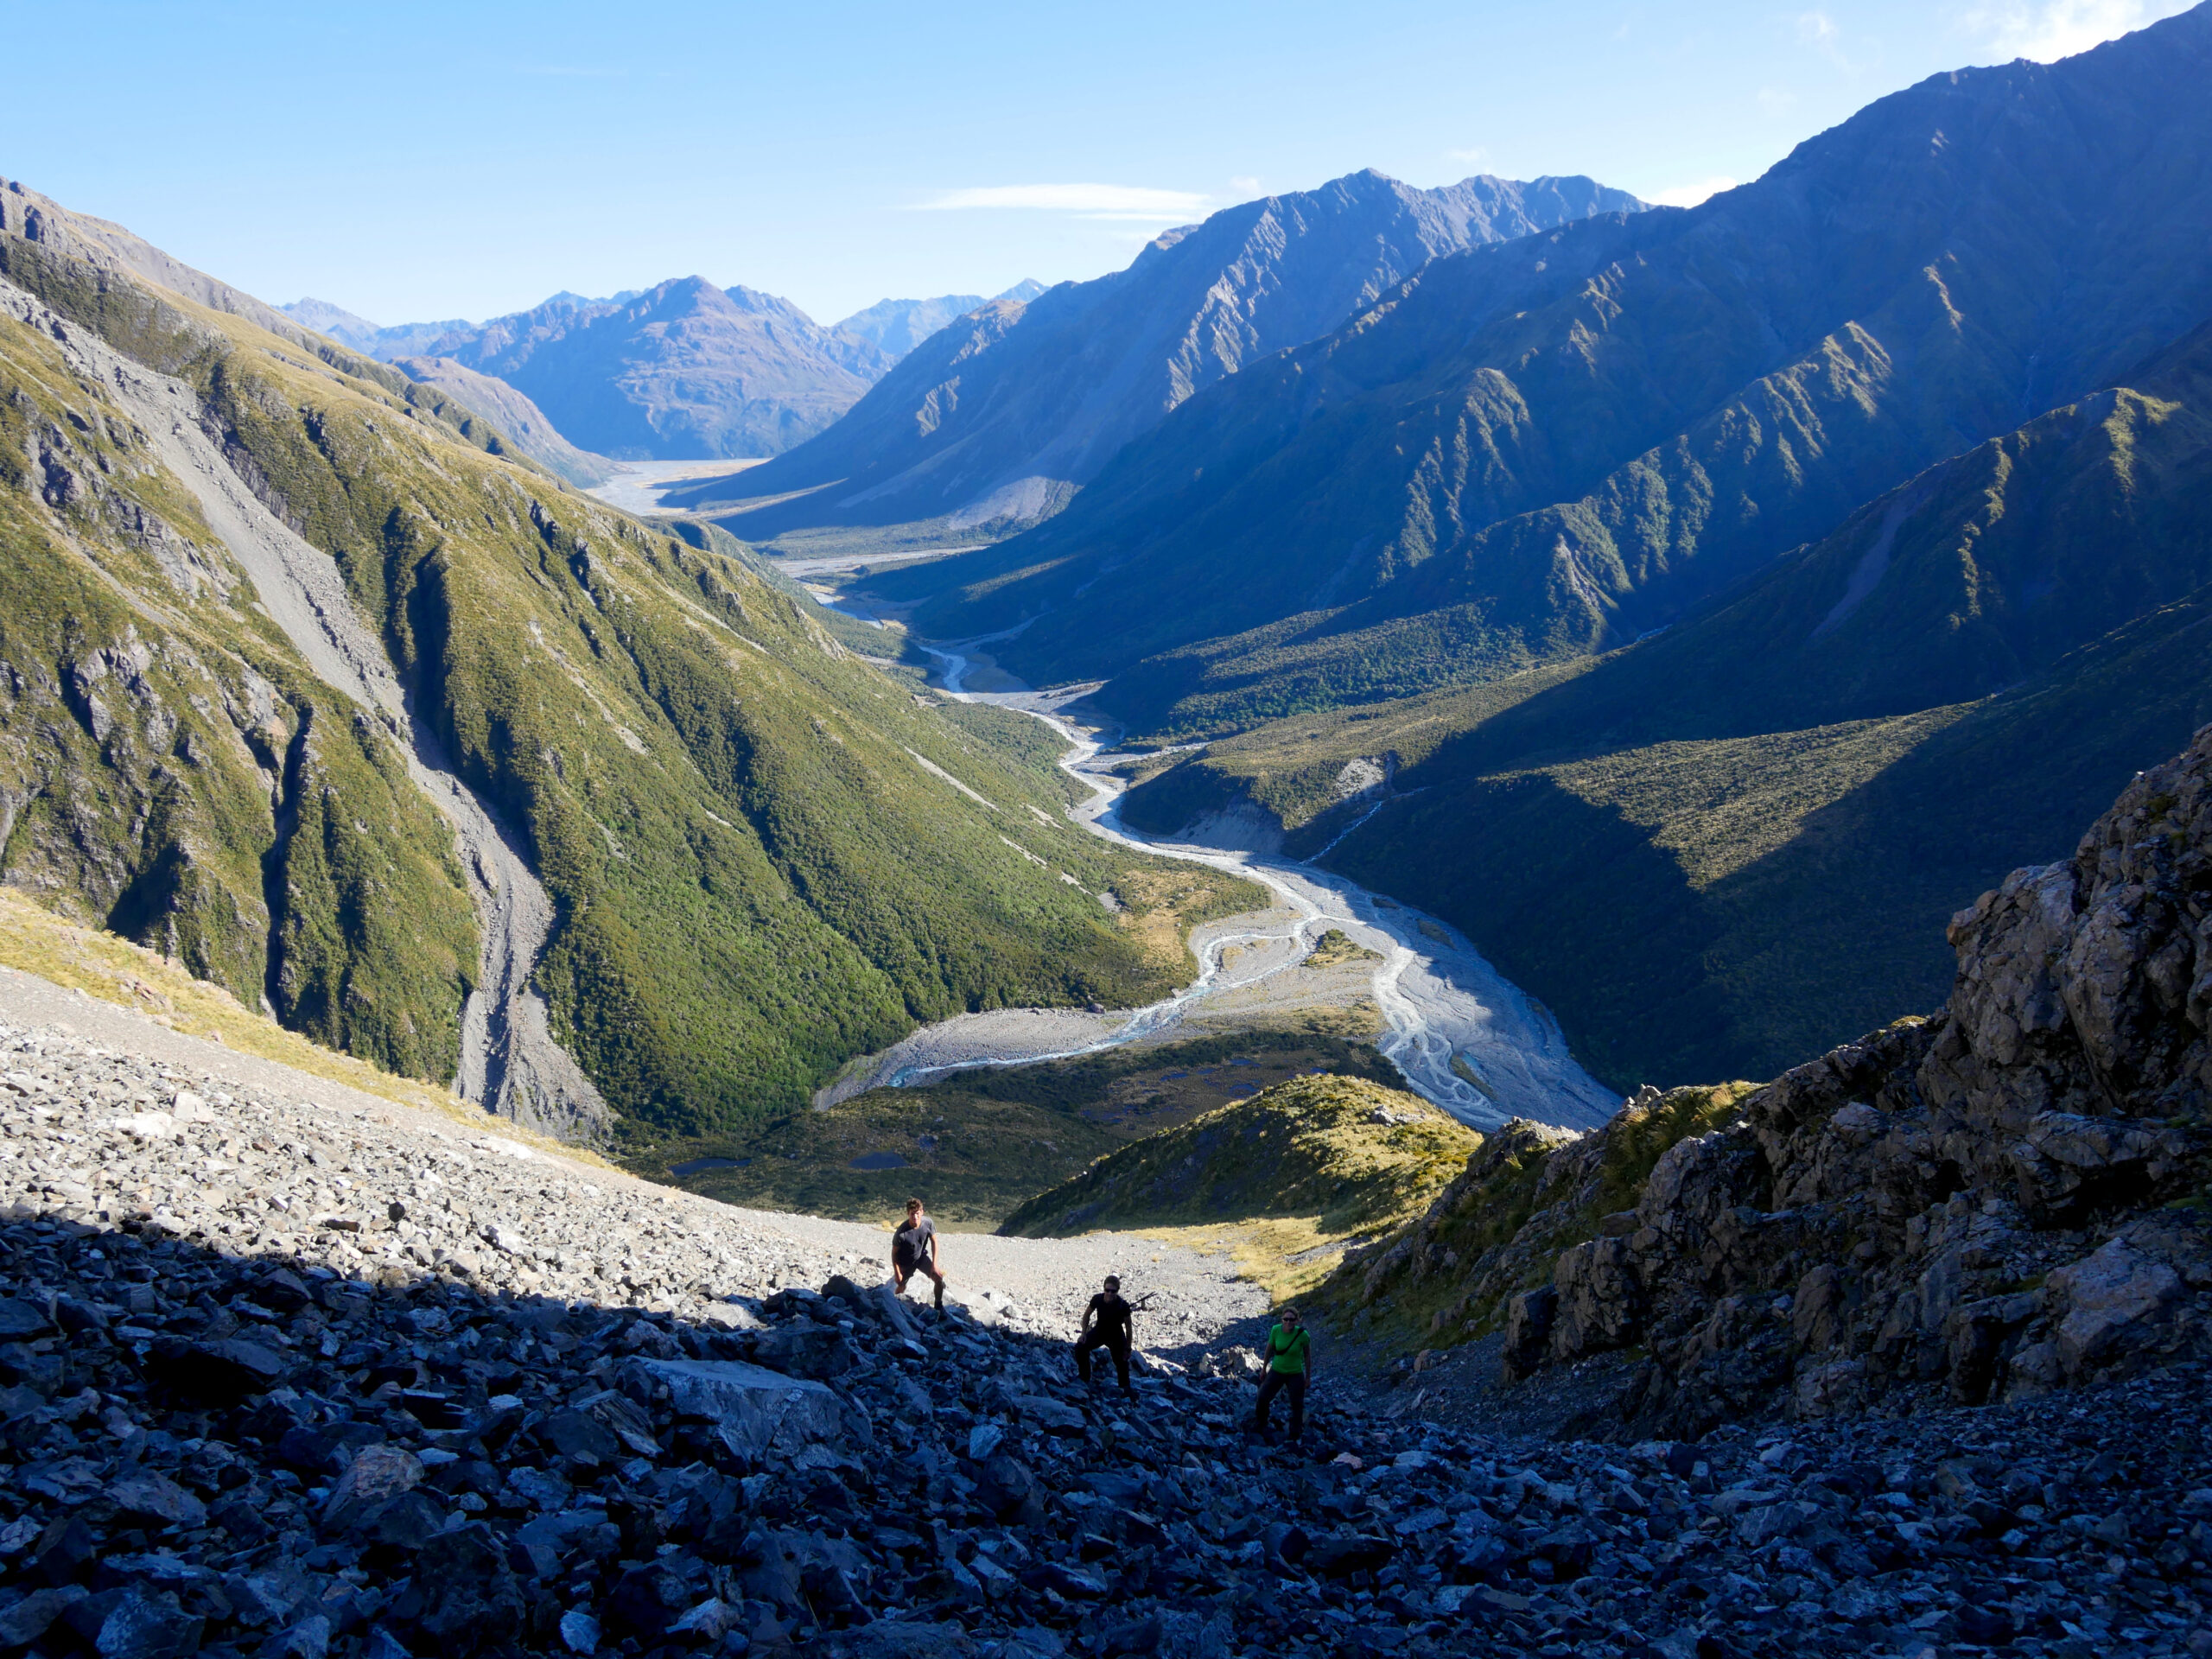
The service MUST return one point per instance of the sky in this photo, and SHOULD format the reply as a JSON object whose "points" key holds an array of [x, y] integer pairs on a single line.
{"points": [[462, 160]]}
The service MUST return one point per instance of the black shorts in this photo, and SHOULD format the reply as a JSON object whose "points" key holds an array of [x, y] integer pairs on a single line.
{"points": [[907, 1266]]}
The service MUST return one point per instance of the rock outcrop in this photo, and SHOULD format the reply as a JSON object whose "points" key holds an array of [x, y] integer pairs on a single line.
{"points": [[2001, 1200]]}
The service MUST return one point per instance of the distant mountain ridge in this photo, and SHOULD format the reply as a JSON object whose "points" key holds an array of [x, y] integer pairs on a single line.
{"points": [[681, 370], [1003, 416], [685, 370], [1555, 445], [518, 419], [896, 326], [403, 340]]}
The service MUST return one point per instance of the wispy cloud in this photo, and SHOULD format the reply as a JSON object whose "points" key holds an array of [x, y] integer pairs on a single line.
{"points": [[2047, 30], [1473, 158], [1688, 195], [1133, 203], [1244, 186], [1819, 30], [1773, 100]]}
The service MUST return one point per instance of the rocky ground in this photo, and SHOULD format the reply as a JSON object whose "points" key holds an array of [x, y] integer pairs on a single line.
{"points": [[301, 1379], [285, 1164]]}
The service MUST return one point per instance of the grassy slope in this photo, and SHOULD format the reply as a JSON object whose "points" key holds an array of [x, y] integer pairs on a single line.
{"points": [[113, 970], [1759, 820], [757, 874], [997, 1136], [1317, 1151], [171, 769]]}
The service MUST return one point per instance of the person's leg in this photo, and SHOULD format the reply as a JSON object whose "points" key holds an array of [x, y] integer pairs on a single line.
{"points": [[1122, 1363], [930, 1267], [1269, 1385], [1083, 1347], [1297, 1406]]}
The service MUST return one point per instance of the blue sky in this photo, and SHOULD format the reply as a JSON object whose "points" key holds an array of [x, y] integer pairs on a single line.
{"points": [[412, 161]]}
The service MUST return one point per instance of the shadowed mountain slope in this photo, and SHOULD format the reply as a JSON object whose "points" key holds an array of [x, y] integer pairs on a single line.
{"points": [[1003, 416], [1558, 444], [1758, 821]]}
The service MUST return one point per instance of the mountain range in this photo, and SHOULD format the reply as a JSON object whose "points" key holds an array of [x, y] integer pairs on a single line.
{"points": [[314, 684], [896, 326], [1001, 417], [678, 372], [1703, 753], [682, 371], [1553, 445]]}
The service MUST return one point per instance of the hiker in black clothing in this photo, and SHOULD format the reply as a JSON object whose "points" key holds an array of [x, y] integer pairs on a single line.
{"points": [[913, 1250], [1286, 1355], [1105, 1324]]}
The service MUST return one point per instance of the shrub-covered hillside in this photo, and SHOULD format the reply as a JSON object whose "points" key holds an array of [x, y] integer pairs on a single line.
{"points": [[763, 855]]}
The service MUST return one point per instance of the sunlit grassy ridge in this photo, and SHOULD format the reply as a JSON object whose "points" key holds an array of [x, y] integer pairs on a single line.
{"points": [[766, 856], [1331, 1158], [980, 1144]]}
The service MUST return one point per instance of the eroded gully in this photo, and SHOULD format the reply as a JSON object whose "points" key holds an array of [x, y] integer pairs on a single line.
{"points": [[509, 1060]]}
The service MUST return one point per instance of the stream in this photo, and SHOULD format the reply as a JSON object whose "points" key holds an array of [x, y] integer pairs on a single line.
{"points": [[1440, 1000]]}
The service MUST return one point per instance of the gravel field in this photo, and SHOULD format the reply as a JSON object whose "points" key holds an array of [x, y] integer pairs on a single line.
{"points": [[536, 1221]]}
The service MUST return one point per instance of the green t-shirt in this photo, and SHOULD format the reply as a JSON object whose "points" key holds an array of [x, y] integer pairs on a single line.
{"points": [[1287, 1351]]}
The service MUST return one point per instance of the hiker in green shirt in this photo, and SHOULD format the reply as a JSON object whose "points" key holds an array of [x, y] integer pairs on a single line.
{"points": [[1286, 1354]]}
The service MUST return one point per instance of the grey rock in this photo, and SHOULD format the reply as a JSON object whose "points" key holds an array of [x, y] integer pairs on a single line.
{"points": [[756, 1411]]}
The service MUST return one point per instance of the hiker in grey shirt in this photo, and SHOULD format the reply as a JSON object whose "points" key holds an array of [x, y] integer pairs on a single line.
{"points": [[913, 1250]]}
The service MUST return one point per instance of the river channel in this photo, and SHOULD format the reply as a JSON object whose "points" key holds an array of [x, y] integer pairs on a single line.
{"points": [[1464, 1038]]}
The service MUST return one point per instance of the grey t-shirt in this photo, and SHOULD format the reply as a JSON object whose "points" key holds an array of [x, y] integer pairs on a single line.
{"points": [[911, 1242]]}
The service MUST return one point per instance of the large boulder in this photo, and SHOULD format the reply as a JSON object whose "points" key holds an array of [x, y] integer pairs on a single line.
{"points": [[759, 1414]]}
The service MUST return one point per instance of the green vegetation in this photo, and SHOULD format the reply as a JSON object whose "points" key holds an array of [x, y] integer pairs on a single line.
{"points": [[1334, 948], [995, 1135], [1529, 1193], [766, 856], [100, 963], [172, 770], [1759, 820], [1347, 1154]]}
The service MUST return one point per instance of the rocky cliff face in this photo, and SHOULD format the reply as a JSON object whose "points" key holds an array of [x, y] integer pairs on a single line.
{"points": [[2001, 1200]]}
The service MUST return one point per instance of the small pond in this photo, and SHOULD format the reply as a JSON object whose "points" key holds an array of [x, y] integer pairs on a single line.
{"points": [[698, 1165]]}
